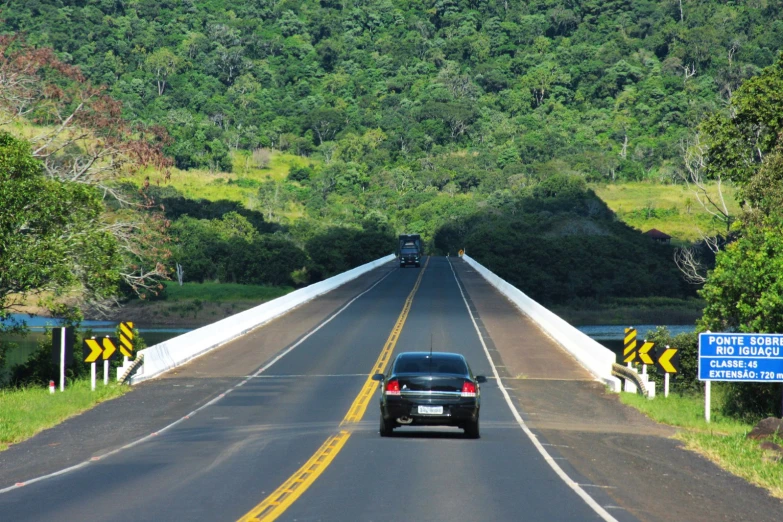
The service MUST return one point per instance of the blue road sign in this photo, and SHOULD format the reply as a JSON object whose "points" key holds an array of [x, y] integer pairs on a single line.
{"points": [[741, 357]]}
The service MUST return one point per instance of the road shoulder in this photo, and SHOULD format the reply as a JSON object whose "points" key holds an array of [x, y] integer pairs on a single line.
{"points": [[612, 447]]}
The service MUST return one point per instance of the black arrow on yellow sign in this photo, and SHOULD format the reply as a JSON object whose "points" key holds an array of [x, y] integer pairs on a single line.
{"points": [[669, 360], [644, 353], [103, 349], [629, 345]]}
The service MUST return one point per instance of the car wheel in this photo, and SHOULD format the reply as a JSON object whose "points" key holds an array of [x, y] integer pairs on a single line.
{"points": [[418, 265], [387, 427], [472, 429]]}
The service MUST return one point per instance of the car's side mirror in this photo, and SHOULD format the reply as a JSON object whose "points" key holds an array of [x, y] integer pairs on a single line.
{"points": [[480, 379], [378, 377]]}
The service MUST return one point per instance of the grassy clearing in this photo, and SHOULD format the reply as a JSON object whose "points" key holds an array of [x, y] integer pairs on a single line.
{"points": [[223, 292], [673, 209], [27, 411], [240, 185], [722, 441]]}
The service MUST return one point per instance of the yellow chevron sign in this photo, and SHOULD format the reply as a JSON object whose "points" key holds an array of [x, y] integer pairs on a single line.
{"points": [[95, 350], [668, 360], [126, 339], [629, 345], [102, 349], [644, 354]]}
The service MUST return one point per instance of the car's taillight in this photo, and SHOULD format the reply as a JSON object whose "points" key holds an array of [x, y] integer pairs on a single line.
{"points": [[468, 390], [393, 387]]}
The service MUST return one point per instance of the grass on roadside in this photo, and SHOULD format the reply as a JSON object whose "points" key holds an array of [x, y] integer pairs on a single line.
{"points": [[223, 292], [722, 440], [27, 411]]}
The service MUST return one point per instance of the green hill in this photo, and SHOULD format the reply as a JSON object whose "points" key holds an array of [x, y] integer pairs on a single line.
{"points": [[414, 116]]}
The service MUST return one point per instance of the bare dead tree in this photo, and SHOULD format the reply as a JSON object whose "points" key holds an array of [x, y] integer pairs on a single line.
{"points": [[711, 200], [689, 71], [690, 264], [694, 161]]}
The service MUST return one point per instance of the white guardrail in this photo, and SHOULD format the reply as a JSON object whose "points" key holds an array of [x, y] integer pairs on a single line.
{"points": [[183, 348], [591, 354]]}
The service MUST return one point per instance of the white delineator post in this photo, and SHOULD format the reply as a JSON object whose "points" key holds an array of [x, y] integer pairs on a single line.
{"points": [[707, 400], [62, 359]]}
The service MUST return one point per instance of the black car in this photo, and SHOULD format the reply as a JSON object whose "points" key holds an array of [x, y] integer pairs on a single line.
{"points": [[430, 389]]}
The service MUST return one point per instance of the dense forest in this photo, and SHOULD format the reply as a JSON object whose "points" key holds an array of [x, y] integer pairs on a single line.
{"points": [[606, 89], [476, 124]]}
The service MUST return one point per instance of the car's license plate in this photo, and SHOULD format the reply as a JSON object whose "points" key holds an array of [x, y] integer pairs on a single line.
{"points": [[431, 410]]}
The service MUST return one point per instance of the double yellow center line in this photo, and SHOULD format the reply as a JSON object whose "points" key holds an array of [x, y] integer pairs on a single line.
{"points": [[281, 499]]}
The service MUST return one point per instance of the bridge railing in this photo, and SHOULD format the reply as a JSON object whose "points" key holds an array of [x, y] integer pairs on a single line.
{"points": [[169, 354], [591, 354]]}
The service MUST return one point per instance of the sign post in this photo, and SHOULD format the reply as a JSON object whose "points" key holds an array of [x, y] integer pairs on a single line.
{"points": [[739, 357], [62, 350]]}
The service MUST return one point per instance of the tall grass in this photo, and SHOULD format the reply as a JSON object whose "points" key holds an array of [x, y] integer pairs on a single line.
{"points": [[27, 411]]}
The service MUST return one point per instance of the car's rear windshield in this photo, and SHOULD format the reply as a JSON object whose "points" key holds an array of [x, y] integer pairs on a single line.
{"points": [[421, 363], [409, 251]]}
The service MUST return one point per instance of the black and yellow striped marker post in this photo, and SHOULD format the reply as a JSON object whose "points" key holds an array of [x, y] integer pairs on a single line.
{"points": [[629, 345], [126, 339]]}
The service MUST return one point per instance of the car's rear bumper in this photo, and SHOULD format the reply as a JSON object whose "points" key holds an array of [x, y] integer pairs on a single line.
{"points": [[455, 413]]}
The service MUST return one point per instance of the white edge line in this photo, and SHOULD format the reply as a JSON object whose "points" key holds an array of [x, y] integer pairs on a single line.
{"points": [[547, 457], [210, 403]]}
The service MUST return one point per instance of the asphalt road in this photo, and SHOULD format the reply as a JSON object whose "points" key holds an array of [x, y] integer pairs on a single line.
{"points": [[221, 462]]}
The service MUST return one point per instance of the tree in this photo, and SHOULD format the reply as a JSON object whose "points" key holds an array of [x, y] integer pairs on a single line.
{"points": [[162, 63], [541, 79], [741, 139], [52, 238]]}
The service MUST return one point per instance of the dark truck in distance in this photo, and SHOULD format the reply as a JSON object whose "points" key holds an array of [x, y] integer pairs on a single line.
{"points": [[410, 250]]}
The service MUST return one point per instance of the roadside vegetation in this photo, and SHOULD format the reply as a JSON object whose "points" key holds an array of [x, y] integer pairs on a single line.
{"points": [[25, 411], [723, 440]]}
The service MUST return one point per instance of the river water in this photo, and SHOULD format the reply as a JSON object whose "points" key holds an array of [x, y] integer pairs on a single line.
{"points": [[610, 336], [24, 346]]}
